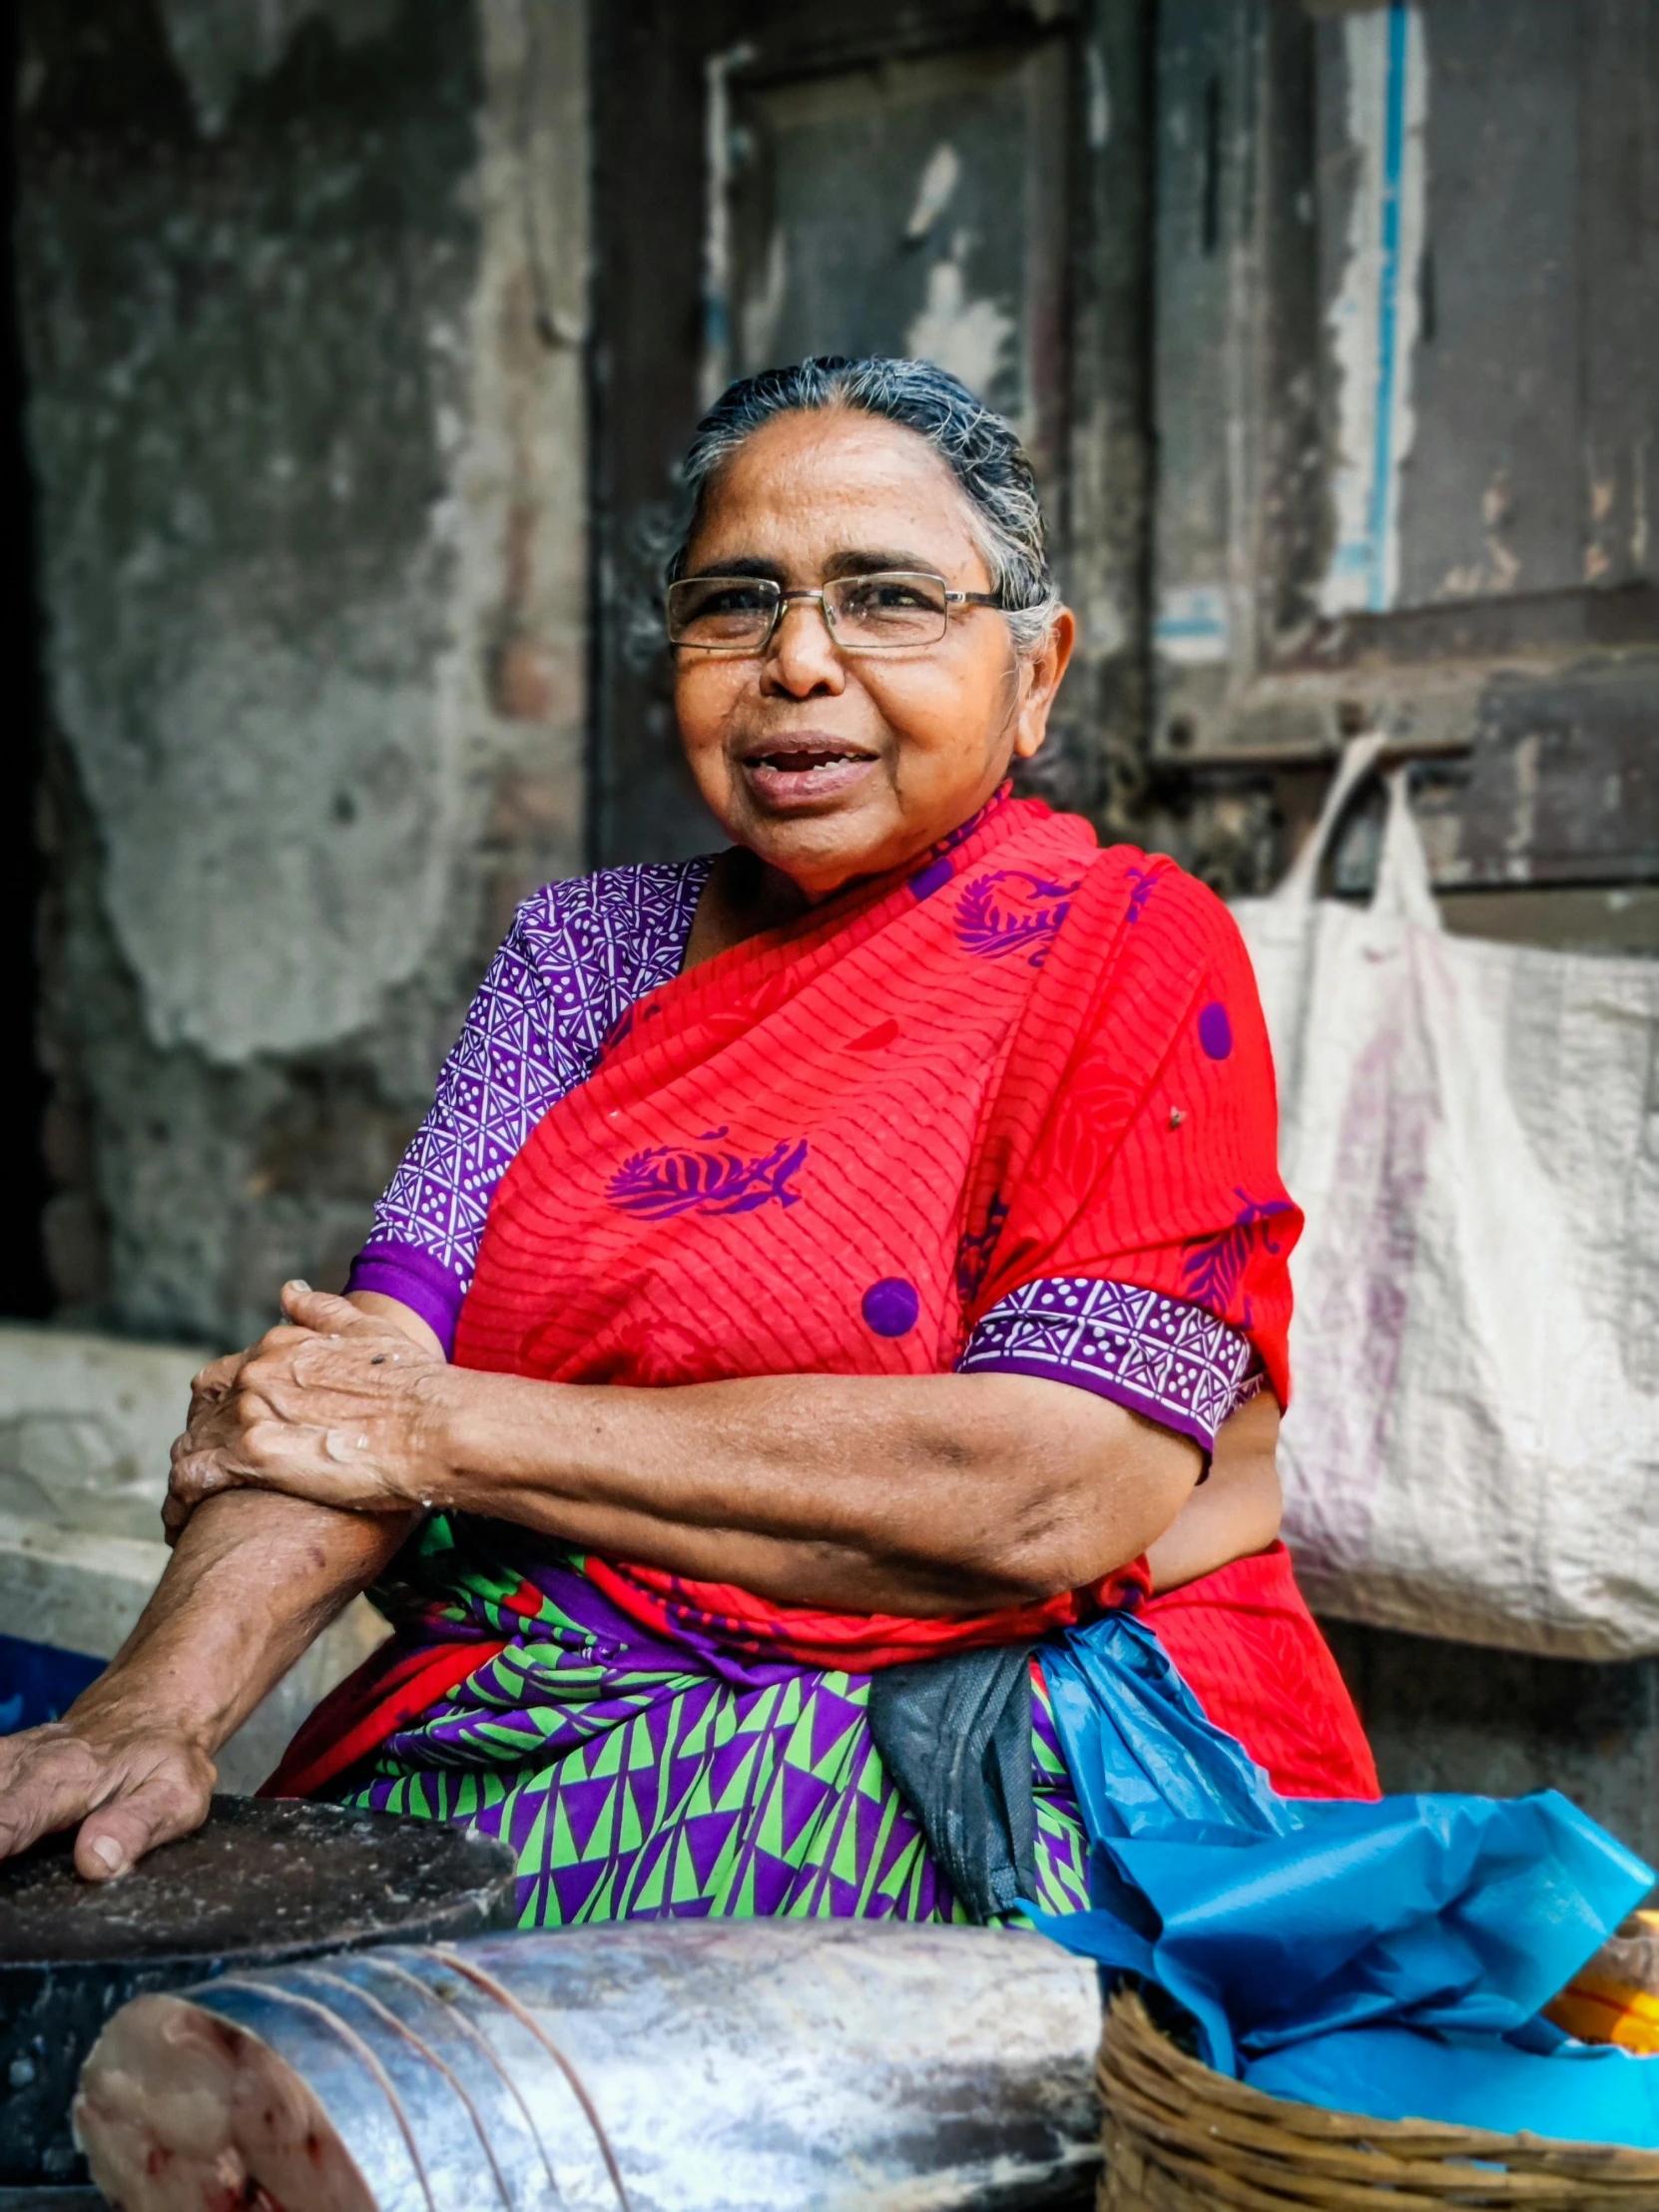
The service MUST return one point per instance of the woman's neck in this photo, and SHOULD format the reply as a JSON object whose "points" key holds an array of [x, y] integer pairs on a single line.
{"points": [[742, 898], [745, 896]]}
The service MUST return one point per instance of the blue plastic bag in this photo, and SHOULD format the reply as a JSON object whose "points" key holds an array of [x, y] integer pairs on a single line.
{"points": [[1388, 1958]]}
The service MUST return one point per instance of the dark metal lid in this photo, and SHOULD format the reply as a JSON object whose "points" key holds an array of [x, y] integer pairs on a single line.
{"points": [[261, 1882]]}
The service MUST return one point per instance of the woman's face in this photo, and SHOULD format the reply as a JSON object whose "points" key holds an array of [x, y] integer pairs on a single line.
{"points": [[831, 765]]}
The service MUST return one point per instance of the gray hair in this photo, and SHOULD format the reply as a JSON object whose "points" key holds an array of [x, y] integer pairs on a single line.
{"points": [[977, 445]]}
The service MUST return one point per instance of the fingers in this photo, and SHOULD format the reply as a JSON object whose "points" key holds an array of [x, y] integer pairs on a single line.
{"points": [[213, 1380], [213, 1386], [266, 1454], [215, 1383], [170, 1800], [48, 1778], [187, 1492], [197, 1474], [176, 1513], [248, 1457], [130, 1791], [322, 1312], [326, 1406]]}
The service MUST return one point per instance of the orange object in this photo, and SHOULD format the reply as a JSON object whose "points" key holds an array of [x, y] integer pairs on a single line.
{"points": [[1614, 1999]]}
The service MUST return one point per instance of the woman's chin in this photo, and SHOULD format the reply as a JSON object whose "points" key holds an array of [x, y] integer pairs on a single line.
{"points": [[827, 847]]}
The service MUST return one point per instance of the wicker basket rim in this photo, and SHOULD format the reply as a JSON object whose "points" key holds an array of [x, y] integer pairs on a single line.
{"points": [[1159, 2089]]}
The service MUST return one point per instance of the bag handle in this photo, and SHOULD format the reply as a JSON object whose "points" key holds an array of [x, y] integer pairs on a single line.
{"points": [[1302, 882], [1403, 885]]}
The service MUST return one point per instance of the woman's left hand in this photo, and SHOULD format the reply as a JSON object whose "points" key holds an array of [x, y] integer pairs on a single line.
{"points": [[336, 1405]]}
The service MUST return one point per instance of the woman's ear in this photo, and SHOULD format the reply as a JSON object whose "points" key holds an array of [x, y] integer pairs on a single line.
{"points": [[1042, 680]]}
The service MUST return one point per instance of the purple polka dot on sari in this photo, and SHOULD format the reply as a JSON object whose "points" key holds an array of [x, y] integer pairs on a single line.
{"points": [[1214, 1031], [890, 1306]]}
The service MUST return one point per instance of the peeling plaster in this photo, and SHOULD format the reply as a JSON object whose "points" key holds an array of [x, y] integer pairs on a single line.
{"points": [[1500, 569], [760, 313], [938, 183], [276, 864], [1100, 99], [1638, 504], [1373, 319], [307, 428], [718, 72], [1192, 629], [220, 47], [1524, 821], [1105, 631], [279, 767], [967, 336]]}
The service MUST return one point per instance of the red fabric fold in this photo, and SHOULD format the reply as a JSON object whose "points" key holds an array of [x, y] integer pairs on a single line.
{"points": [[393, 1687], [1252, 1654], [858, 1643], [1243, 1638]]}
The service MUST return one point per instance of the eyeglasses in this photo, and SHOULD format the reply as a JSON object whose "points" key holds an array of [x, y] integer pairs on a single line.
{"points": [[893, 611]]}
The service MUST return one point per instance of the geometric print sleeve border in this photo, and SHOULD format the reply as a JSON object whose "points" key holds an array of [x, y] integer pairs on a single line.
{"points": [[1158, 1355]]}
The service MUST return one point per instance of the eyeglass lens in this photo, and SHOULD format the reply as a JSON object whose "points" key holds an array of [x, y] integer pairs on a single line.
{"points": [[864, 613]]}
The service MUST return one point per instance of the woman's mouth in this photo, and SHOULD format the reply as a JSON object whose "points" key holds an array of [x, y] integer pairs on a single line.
{"points": [[799, 775]]}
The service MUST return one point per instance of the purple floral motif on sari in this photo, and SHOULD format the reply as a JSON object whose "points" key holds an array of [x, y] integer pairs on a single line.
{"points": [[993, 927], [559, 994], [974, 1253], [680, 1179], [1214, 1263]]}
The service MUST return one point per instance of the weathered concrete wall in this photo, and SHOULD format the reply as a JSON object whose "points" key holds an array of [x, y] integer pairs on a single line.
{"points": [[302, 293], [85, 1425], [1458, 1717]]}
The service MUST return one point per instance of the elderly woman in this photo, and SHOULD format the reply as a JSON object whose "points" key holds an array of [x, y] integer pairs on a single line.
{"points": [[831, 1272]]}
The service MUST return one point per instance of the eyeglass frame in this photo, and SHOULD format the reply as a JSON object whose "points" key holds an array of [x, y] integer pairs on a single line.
{"points": [[952, 598]]}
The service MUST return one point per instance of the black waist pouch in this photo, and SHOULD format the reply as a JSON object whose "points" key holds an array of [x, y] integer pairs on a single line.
{"points": [[955, 1736]]}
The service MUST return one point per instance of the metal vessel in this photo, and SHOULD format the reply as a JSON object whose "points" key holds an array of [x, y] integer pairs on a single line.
{"points": [[658, 2066], [258, 1884]]}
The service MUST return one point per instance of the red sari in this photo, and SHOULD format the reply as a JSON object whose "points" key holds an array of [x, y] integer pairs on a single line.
{"points": [[1011, 1111]]}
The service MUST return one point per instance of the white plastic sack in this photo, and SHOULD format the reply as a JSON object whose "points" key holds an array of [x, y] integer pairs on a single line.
{"points": [[1473, 1447]]}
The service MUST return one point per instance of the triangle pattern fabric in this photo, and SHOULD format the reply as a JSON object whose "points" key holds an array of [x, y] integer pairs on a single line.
{"points": [[627, 1789]]}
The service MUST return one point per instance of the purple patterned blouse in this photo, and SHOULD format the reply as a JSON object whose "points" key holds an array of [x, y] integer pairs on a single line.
{"points": [[577, 957]]}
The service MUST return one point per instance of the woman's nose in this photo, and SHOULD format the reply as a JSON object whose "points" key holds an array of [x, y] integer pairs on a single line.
{"points": [[802, 657]]}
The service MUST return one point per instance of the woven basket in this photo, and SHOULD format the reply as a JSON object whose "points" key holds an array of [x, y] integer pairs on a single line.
{"points": [[1180, 2137]]}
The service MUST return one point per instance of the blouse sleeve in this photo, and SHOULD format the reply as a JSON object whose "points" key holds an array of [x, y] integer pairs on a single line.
{"points": [[1141, 1249], [577, 957]]}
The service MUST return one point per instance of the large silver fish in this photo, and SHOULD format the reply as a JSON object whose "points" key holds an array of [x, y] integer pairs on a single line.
{"points": [[658, 2066]]}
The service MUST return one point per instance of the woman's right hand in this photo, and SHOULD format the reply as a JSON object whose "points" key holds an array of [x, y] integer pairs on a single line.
{"points": [[252, 1579], [131, 1778]]}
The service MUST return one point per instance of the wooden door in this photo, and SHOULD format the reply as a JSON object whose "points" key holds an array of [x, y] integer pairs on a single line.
{"points": [[1407, 306]]}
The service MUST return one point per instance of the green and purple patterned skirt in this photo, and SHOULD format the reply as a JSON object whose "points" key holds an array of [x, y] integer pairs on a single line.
{"points": [[637, 1779]]}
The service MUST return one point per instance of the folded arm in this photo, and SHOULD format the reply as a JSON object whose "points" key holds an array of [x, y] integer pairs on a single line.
{"points": [[932, 1494]]}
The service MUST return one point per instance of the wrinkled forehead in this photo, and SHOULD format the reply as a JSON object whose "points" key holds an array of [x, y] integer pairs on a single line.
{"points": [[810, 493]]}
